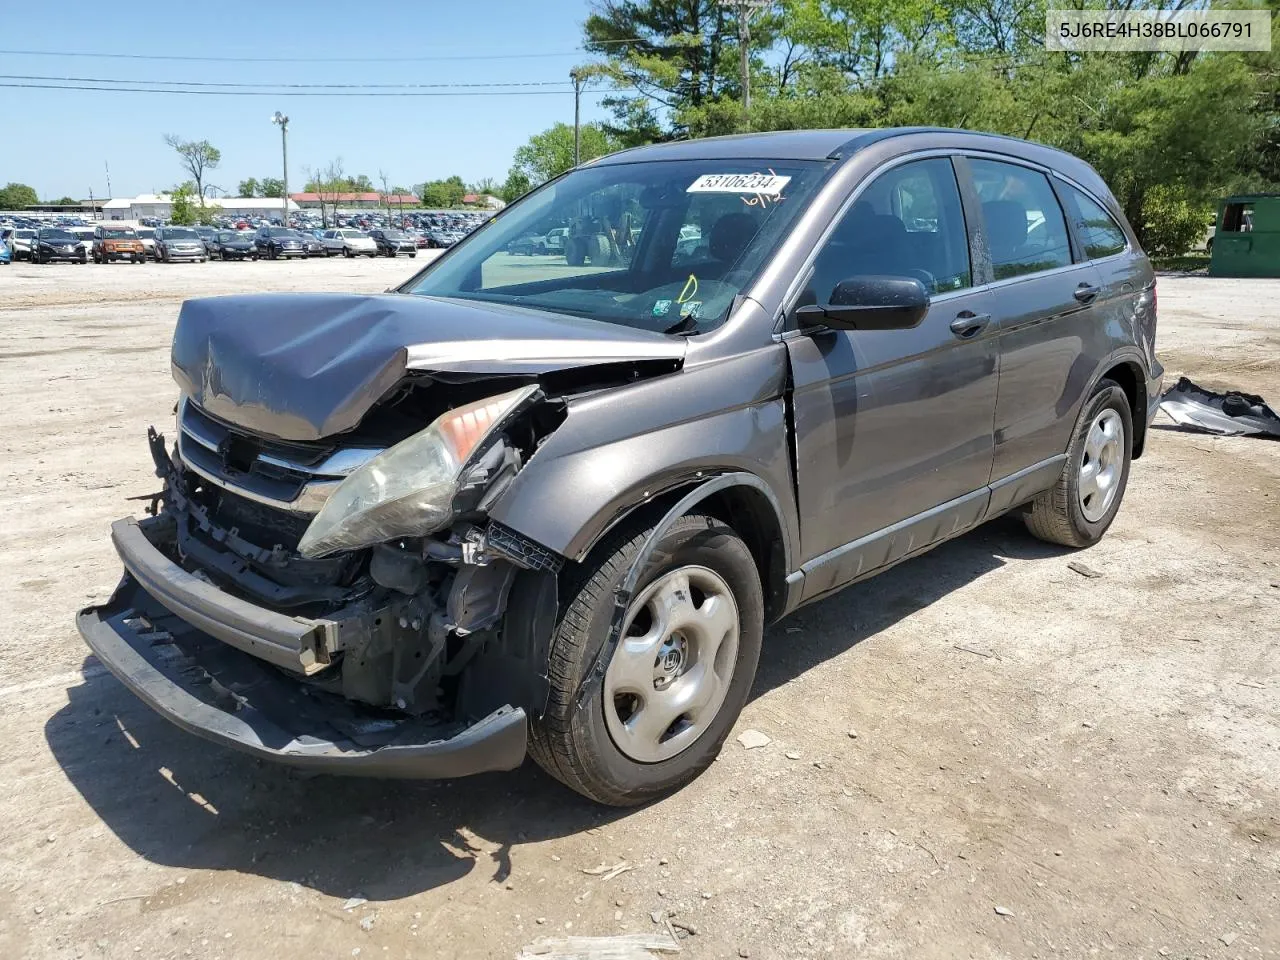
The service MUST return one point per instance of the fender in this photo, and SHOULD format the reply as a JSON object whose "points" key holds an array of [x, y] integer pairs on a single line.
{"points": [[1143, 408], [618, 449], [622, 596]]}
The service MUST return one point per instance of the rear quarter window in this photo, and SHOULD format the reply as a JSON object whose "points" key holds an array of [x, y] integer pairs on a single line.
{"points": [[1098, 231]]}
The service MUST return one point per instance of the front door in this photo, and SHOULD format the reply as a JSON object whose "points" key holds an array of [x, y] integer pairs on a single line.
{"points": [[894, 427]]}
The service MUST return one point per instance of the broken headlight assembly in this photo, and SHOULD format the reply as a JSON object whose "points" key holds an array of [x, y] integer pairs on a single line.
{"points": [[408, 490]]}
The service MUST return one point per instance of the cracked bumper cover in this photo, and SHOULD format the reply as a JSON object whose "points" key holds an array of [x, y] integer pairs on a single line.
{"points": [[146, 637]]}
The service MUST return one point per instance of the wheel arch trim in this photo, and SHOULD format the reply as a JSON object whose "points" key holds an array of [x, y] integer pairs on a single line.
{"points": [[594, 677]]}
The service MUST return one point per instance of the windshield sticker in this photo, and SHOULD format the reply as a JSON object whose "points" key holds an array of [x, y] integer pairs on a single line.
{"points": [[661, 308], [764, 184], [690, 308]]}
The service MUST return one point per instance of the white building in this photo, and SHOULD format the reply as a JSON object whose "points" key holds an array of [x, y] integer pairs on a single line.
{"points": [[160, 205]]}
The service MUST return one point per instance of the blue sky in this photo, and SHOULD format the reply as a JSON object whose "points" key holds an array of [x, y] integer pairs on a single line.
{"points": [[59, 140]]}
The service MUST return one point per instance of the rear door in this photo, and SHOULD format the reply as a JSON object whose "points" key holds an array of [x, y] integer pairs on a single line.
{"points": [[894, 427], [1043, 296]]}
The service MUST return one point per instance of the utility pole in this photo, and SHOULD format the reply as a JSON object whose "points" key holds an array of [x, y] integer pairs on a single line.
{"points": [[106, 166], [745, 8], [576, 76], [283, 121]]}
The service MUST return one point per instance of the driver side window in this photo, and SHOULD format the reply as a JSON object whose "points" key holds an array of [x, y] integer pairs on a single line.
{"points": [[907, 223]]}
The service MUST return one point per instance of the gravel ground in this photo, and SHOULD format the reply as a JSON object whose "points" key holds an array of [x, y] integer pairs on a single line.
{"points": [[980, 754]]}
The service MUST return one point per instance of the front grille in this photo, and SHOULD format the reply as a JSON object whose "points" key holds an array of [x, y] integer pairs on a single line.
{"points": [[293, 477]]}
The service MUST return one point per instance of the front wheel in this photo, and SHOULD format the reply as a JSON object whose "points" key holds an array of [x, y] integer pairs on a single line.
{"points": [[1077, 510], [680, 673]]}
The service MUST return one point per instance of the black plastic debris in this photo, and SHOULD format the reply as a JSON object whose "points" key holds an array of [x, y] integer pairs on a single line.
{"points": [[1226, 414]]}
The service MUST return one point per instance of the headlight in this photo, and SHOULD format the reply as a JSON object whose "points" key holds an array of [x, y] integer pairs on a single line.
{"points": [[408, 490]]}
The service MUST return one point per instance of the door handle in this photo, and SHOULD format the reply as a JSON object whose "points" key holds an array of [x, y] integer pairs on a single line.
{"points": [[1086, 292], [968, 324]]}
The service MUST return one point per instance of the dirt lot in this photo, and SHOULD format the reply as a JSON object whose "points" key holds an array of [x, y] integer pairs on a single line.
{"points": [[982, 728]]}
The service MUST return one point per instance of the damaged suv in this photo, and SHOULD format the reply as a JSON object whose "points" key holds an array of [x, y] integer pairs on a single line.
{"points": [[548, 507]]}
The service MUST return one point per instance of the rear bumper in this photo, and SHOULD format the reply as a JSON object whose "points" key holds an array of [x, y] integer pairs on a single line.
{"points": [[159, 635], [1155, 384]]}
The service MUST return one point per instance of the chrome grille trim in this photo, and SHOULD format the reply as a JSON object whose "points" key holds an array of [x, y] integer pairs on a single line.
{"points": [[340, 463], [197, 440]]}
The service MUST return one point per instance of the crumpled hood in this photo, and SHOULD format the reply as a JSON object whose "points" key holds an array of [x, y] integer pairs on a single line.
{"points": [[307, 366]]}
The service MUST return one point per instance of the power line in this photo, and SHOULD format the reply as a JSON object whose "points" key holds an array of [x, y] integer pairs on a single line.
{"points": [[577, 51], [292, 93], [288, 86]]}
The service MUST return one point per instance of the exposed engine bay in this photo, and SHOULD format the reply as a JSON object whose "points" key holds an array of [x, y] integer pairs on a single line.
{"points": [[412, 614]]}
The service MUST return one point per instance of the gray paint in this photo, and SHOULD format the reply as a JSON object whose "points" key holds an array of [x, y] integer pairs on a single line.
{"points": [[308, 366], [873, 444]]}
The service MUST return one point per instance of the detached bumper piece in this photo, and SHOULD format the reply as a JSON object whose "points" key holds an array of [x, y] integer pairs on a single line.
{"points": [[228, 696]]}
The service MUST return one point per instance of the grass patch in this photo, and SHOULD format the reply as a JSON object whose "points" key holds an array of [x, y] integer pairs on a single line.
{"points": [[1183, 264]]}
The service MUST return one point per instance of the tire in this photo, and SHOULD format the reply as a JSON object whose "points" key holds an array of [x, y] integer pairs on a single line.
{"points": [[575, 745], [1061, 514], [271, 253], [346, 253], [412, 256], [575, 252]]}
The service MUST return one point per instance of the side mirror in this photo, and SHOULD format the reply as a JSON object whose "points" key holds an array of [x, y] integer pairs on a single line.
{"points": [[870, 303]]}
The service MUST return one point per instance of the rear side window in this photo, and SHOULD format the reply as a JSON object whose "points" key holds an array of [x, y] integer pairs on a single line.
{"points": [[1026, 232], [1098, 231], [907, 223]]}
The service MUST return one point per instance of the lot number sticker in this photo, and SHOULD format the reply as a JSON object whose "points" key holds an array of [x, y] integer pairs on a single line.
{"points": [[768, 184]]}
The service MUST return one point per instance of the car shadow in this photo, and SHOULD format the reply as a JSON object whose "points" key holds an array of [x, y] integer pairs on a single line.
{"points": [[181, 802]]}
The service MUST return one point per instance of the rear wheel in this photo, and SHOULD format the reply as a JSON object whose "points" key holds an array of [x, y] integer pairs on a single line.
{"points": [[679, 676], [1079, 508]]}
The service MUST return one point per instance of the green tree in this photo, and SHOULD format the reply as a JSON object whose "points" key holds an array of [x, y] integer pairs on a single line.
{"points": [[668, 56], [248, 188], [442, 194], [197, 156], [271, 187], [17, 196], [550, 153], [183, 211], [66, 201], [515, 186]]}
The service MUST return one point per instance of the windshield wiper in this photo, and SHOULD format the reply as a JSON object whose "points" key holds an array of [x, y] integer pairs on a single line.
{"points": [[685, 325]]}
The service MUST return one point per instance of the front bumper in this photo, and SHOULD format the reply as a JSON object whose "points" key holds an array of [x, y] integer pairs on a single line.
{"points": [[179, 644]]}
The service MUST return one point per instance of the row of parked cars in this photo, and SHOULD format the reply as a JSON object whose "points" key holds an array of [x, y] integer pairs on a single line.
{"points": [[108, 243]]}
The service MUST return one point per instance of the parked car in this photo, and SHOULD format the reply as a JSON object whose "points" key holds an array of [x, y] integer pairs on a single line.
{"points": [[311, 244], [54, 243], [391, 243], [6, 255], [84, 235], [111, 242], [439, 238], [349, 243], [232, 245], [507, 511], [276, 242], [19, 241], [531, 244], [147, 235], [179, 243], [205, 234]]}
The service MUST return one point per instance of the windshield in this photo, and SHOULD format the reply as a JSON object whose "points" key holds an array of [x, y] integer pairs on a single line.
{"points": [[118, 234], [393, 235], [352, 234], [59, 235], [659, 246], [146, 234], [281, 232], [26, 234], [178, 233]]}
